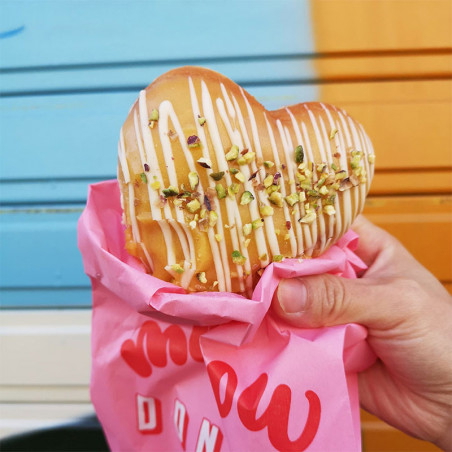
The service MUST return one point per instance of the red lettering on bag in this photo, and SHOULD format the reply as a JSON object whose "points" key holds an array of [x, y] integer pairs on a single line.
{"points": [[149, 411], [153, 346], [276, 415], [181, 421], [217, 371], [209, 437]]}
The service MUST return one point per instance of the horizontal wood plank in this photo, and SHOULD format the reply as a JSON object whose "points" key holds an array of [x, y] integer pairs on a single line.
{"points": [[74, 32]]}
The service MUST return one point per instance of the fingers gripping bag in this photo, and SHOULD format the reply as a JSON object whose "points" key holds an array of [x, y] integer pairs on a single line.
{"points": [[216, 201]]}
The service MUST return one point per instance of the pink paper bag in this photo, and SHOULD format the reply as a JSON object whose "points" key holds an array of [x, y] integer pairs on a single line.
{"points": [[177, 371]]}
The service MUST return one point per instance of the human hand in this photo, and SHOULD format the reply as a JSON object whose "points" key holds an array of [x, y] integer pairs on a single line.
{"points": [[408, 315]]}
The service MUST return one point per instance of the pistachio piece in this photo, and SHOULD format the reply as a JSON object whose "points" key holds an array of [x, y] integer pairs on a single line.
{"points": [[276, 198], [205, 163], [218, 237], [246, 198], [329, 209], [371, 158], [201, 277], [170, 191], [239, 176], [193, 180], [213, 218], [233, 189], [237, 257], [268, 180], [155, 185], [217, 176], [278, 258], [193, 206], [143, 178], [308, 218], [221, 192], [266, 211], [247, 228], [233, 153], [268, 164], [177, 268], [292, 199], [256, 224], [193, 141], [201, 120], [299, 154], [233, 170], [333, 133]]}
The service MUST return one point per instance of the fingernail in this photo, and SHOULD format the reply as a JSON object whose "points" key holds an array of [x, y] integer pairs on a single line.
{"points": [[292, 295]]}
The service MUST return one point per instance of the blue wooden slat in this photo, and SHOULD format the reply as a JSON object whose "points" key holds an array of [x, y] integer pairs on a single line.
{"points": [[251, 71], [46, 297], [55, 32], [38, 249]]}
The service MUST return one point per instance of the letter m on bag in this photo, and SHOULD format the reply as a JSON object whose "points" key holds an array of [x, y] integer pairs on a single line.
{"points": [[152, 347]]}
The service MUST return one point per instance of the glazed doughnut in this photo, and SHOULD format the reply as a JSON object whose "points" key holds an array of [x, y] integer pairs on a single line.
{"points": [[214, 187]]}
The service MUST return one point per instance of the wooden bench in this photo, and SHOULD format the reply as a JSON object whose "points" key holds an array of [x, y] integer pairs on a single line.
{"points": [[69, 73]]}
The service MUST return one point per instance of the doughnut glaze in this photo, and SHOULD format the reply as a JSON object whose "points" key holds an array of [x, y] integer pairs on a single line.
{"points": [[215, 188]]}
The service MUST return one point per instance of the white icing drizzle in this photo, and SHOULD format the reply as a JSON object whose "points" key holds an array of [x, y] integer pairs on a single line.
{"points": [[300, 211], [288, 158], [230, 204], [268, 225], [219, 252]]}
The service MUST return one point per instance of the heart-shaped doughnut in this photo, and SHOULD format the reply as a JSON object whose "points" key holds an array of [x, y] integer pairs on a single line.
{"points": [[214, 187]]}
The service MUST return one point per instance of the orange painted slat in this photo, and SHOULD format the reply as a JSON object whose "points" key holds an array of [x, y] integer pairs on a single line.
{"points": [[422, 223], [347, 25]]}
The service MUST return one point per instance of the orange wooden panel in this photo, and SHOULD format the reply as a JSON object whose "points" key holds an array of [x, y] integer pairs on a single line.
{"points": [[436, 64], [409, 122], [422, 223], [350, 25], [412, 182], [377, 436]]}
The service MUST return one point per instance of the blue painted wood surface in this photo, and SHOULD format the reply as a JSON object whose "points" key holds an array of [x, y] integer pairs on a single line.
{"points": [[69, 72]]}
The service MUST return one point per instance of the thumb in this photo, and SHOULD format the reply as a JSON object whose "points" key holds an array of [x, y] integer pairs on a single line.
{"points": [[327, 300]]}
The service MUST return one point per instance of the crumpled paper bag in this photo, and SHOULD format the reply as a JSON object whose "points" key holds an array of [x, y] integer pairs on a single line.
{"points": [[177, 371]]}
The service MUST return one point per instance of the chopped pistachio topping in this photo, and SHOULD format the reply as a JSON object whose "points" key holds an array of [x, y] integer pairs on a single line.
{"points": [[193, 141], [324, 190], [193, 206], [239, 176], [256, 224], [278, 258], [143, 178], [371, 158], [218, 237], [205, 163], [177, 268], [170, 191], [246, 242], [237, 257], [308, 218], [213, 218], [233, 170], [217, 176], [249, 156], [233, 153], [155, 185], [201, 120], [266, 211], [201, 277], [246, 198], [268, 164], [334, 167], [153, 117], [221, 192], [233, 189], [247, 228], [299, 154], [333, 133], [341, 175], [268, 180], [292, 199], [276, 198], [329, 209], [193, 180]]}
